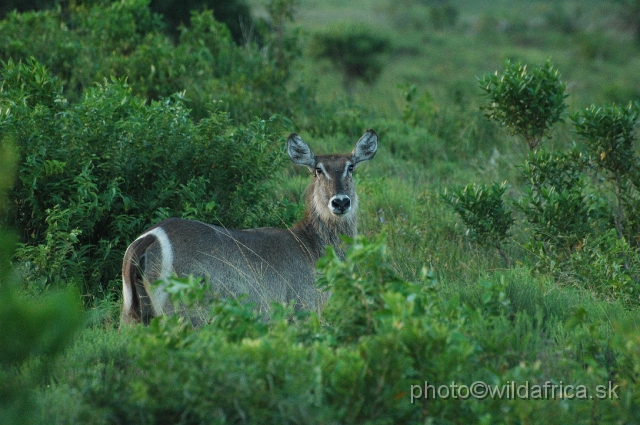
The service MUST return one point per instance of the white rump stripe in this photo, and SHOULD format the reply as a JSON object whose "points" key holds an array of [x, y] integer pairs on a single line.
{"points": [[127, 295], [159, 297]]}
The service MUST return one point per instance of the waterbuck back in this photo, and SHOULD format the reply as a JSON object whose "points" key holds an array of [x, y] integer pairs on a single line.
{"points": [[267, 264]]}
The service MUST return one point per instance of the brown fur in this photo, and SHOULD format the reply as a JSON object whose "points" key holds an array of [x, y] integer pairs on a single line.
{"points": [[268, 264]]}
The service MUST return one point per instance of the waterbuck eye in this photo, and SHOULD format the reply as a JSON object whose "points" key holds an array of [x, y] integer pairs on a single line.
{"points": [[318, 171], [351, 168]]}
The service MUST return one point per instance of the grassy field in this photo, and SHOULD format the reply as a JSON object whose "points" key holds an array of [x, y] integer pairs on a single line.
{"points": [[597, 62], [585, 40], [471, 316]]}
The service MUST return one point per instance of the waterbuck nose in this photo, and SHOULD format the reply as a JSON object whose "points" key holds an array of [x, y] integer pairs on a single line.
{"points": [[340, 204]]}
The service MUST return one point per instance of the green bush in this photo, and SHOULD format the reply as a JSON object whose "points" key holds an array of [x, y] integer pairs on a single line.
{"points": [[609, 133], [609, 266], [355, 50], [235, 14], [432, 130], [383, 338], [93, 175], [203, 63], [555, 202], [286, 373], [31, 327], [482, 210], [351, 287], [8, 6], [567, 212], [366, 358], [526, 102], [417, 109]]}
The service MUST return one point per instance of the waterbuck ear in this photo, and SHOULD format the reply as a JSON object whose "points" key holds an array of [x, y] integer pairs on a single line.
{"points": [[366, 147], [299, 152]]}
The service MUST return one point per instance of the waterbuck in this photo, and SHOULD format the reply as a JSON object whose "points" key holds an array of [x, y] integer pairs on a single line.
{"points": [[268, 264]]}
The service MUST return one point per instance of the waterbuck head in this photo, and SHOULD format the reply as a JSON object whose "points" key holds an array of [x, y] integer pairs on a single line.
{"points": [[332, 194]]}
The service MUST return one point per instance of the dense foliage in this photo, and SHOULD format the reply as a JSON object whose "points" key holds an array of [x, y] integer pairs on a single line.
{"points": [[482, 210], [364, 364], [235, 14], [95, 173], [204, 63], [571, 215], [31, 328], [355, 50], [527, 102]]}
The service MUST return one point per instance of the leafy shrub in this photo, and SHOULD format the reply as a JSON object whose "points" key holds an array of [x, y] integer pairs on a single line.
{"points": [[8, 6], [340, 118], [433, 130], [31, 327], [286, 373], [417, 109], [94, 174], [482, 210], [556, 203], [610, 266], [368, 364], [235, 14], [609, 133], [355, 50], [352, 287], [568, 214], [526, 102], [284, 43], [626, 342], [74, 49], [204, 63]]}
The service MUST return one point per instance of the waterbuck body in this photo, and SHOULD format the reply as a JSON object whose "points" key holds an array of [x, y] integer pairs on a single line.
{"points": [[267, 264]]}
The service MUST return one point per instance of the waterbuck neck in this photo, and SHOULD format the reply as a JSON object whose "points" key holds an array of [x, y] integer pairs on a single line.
{"points": [[320, 229]]}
